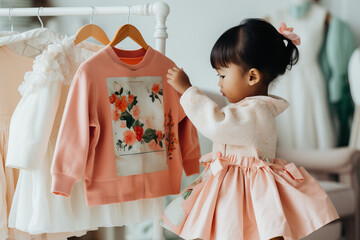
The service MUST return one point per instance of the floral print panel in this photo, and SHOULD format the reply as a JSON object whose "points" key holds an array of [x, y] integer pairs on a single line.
{"points": [[138, 124]]}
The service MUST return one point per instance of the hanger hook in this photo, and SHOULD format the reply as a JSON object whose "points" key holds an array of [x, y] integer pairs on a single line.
{"points": [[38, 15], [129, 15], [11, 22], [92, 14]]}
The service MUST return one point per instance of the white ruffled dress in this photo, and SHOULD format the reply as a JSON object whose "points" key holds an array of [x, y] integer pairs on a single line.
{"points": [[17, 52], [33, 132]]}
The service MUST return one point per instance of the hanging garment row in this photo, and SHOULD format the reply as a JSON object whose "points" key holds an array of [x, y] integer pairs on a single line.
{"points": [[317, 89], [96, 138]]}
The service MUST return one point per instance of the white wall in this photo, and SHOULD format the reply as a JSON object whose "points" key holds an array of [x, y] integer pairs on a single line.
{"points": [[194, 30], [195, 25]]}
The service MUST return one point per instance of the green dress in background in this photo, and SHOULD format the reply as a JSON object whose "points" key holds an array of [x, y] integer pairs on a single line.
{"points": [[338, 46]]}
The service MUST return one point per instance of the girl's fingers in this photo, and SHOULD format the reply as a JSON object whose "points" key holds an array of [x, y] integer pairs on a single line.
{"points": [[176, 69], [171, 71]]}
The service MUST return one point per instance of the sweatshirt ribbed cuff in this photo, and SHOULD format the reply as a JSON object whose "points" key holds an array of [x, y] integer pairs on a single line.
{"points": [[62, 184]]}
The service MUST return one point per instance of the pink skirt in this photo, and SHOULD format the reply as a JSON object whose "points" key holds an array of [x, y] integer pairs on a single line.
{"points": [[249, 199]]}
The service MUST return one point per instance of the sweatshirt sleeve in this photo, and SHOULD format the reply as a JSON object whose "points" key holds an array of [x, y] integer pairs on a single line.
{"points": [[72, 144], [189, 145], [31, 126], [233, 124]]}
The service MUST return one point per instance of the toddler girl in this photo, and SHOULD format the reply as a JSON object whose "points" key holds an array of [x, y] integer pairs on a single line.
{"points": [[244, 192]]}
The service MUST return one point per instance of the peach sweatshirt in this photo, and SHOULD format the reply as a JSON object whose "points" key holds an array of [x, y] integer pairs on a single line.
{"points": [[124, 130]]}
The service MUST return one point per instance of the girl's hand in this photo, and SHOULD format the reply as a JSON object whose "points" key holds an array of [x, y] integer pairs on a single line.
{"points": [[178, 79]]}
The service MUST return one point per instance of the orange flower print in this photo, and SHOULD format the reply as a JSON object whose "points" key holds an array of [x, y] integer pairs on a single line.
{"points": [[112, 98], [136, 112], [139, 132], [159, 134], [170, 139], [131, 99], [117, 103], [129, 137], [122, 105], [155, 88], [123, 124], [148, 122], [154, 146], [171, 146], [116, 114]]}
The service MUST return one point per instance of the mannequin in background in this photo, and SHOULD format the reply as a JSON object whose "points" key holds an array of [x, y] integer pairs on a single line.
{"points": [[316, 88], [354, 79]]}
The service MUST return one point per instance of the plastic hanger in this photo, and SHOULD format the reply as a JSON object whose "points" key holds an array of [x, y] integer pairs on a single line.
{"points": [[38, 15], [41, 30], [91, 30], [11, 22], [131, 31]]}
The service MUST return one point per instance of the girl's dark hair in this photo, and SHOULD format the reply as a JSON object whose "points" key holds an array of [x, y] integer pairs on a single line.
{"points": [[255, 43]]}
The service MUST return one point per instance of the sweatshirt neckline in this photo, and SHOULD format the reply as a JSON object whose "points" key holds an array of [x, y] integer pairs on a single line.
{"points": [[116, 53]]}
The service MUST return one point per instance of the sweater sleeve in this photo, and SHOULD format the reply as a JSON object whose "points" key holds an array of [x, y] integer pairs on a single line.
{"points": [[189, 145], [72, 144], [31, 126], [230, 125]]}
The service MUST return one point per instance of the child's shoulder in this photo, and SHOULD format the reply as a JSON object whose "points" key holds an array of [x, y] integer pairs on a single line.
{"points": [[274, 104]]}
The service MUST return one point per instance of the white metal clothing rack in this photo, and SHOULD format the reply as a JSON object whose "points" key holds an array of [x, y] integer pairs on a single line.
{"points": [[160, 10]]}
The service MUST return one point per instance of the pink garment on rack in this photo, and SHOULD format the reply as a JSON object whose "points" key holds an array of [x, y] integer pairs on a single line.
{"points": [[13, 68], [124, 130]]}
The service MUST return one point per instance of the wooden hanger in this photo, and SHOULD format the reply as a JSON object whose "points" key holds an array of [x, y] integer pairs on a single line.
{"points": [[91, 30], [131, 31]]}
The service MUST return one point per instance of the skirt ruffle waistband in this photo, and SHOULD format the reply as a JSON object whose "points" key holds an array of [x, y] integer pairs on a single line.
{"points": [[276, 164]]}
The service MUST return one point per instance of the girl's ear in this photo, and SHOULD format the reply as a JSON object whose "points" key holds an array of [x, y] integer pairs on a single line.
{"points": [[254, 76]]}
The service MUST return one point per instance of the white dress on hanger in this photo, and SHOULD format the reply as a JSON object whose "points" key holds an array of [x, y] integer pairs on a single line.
{"points": [[17, 52], [33, 132], [306, 124]]}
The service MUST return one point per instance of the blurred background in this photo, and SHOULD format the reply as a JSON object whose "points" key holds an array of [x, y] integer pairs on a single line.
{"points": [[193, 27]]}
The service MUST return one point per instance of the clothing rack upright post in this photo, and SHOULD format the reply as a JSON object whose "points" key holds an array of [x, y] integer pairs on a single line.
{"points": [[159, 9]]}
